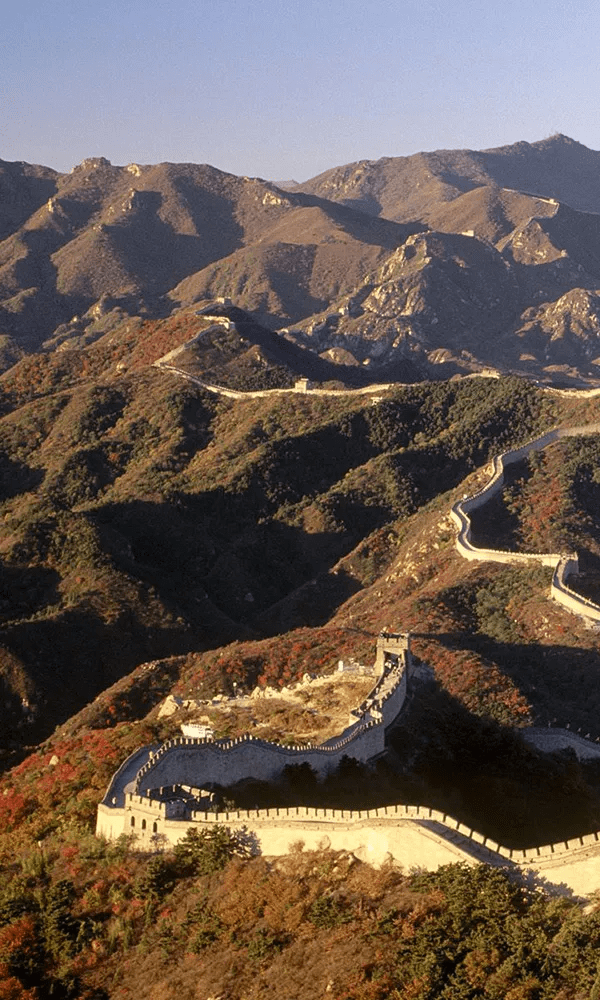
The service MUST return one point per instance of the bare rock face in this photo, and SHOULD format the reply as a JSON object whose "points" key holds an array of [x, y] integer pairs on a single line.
{"points": [[565, 329], [92, 163], [452, 258], [436, 291]]}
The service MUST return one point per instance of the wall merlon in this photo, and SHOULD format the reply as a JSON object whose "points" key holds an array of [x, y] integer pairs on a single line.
{"points": [[575, 843], [591, 839]]}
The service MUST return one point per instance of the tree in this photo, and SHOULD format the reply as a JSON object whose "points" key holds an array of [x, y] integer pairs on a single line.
{"points": [[202, 852]]}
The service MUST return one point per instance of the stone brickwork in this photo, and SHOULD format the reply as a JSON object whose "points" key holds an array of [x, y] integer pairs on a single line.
{"points": [[412, 836], [201, 762]]}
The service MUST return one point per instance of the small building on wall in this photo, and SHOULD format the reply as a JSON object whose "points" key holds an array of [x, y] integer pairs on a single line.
{"points": [[302, 385], [197, 730]]}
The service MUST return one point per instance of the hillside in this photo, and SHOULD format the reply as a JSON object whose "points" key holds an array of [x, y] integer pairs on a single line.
{"points": [[167, 550], [140, 514], [87, 919], [145, 519], [411, 187], [143, 516]]}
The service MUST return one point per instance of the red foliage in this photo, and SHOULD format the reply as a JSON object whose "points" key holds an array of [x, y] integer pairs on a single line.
{"points": [[20, 955]]}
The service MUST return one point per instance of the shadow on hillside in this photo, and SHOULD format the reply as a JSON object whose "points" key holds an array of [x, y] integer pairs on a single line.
{"points": [[74, 655], [493, 525], [216, 546], [159, 256], [27, 590], [16, 477], [485, 775], [361, 220], [442, 756], [313, 603], [562, 683]]}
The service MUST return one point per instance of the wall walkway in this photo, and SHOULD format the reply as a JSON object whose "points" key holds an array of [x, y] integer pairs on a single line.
{"points": [[563, 564], [199, 762], [222, 390]]}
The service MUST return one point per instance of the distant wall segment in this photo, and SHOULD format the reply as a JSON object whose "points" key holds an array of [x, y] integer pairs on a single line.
{"points": [[562, 564], [222, 390]]}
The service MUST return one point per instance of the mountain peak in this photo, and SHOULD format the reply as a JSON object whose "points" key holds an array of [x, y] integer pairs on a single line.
{"points": [[92, 163]]}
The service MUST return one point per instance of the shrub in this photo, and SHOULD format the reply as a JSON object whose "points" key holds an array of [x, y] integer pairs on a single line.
{"points": [[328, 911], [203, 852]]}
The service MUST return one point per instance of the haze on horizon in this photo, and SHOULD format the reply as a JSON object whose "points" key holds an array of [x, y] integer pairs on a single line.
{"points": [[284, 90]]}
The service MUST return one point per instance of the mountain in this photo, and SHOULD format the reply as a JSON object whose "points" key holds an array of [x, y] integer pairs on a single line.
{"points": [[451, 261], [415, 187], [161, 547], [311, 255], [124, 237], [143, 517]]}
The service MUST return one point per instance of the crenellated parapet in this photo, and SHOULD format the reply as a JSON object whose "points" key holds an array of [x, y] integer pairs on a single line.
{"points": [[201, 762], [413, 836]]}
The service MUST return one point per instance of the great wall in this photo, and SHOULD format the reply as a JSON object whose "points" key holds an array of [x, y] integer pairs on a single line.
{"points": [[302, 385], [188, 764], [157, 793], [156, 796], [562, 564]]}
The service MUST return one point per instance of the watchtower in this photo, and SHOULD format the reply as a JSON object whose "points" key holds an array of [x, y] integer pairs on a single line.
{"points": [[302, 385], [392, 646]]}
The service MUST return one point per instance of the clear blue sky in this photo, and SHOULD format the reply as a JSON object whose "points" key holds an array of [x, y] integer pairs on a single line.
{"points": [[286, 89]]}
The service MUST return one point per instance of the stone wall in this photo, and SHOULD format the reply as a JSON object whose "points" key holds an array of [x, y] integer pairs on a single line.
{"points": [[411, 836], [563, 564], [196, 762], [199, 762], [549, 739], [223, 390]]}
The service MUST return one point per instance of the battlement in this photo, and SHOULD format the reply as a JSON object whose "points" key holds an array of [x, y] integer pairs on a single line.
{"points": [[411, 835], [391, 646], [188, 762]]}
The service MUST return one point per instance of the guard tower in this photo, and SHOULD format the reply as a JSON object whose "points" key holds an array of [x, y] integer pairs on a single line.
{"points": [[394, 647], [302, 385]]}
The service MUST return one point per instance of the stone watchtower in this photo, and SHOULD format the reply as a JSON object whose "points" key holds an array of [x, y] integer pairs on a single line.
{"points": [[392, 646], [302, 385]]}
